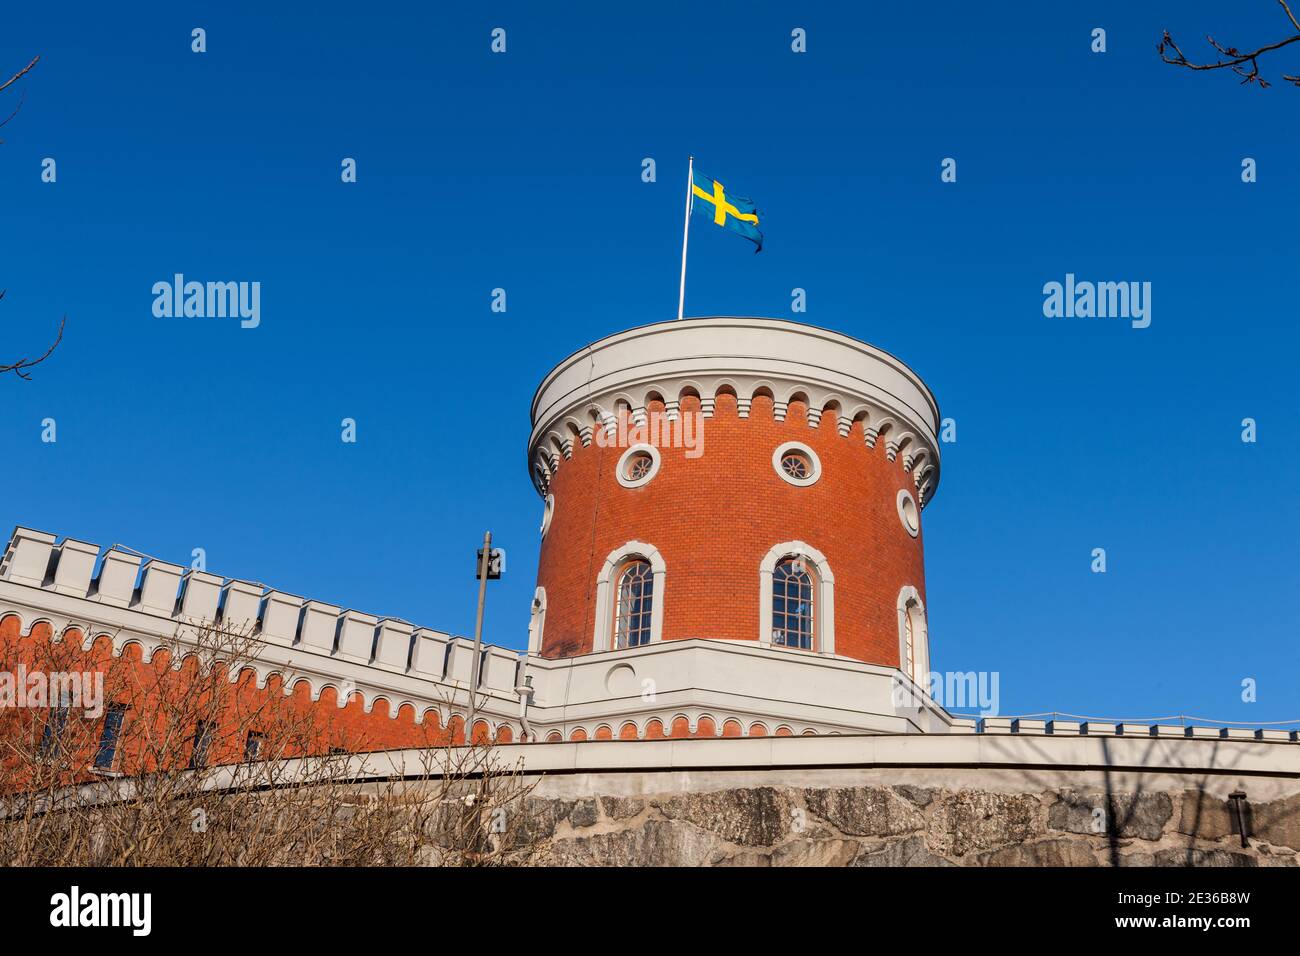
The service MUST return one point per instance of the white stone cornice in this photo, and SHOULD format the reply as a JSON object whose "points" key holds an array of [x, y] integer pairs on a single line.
{"points": [[744, 357], [1178, 758], [723, 678]]}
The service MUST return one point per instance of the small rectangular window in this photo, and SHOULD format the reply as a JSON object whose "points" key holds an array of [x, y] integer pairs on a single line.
{"points": [[253, 744], [202, 741], [52, 735], [110, 737]]}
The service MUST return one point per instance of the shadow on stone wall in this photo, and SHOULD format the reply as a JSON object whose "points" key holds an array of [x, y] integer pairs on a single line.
{"points": [[907, 825]]}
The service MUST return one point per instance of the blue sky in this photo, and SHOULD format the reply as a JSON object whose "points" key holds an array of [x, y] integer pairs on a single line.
{"points": [[522, 171]]}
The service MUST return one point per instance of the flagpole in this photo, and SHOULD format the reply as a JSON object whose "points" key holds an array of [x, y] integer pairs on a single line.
{"points": [[686, 233]]}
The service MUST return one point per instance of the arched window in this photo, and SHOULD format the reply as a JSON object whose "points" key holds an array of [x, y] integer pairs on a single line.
{"points": [[913, 637], [792, 604], [636, 586], [630, 598], [909, 641], [796, 598]]}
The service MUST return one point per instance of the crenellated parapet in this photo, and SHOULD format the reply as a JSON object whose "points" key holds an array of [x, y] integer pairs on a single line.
{"points": [[864, 390], [152, 604]]}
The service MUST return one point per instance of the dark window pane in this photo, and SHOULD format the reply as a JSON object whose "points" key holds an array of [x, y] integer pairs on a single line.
{"points": [[109, 737], [202, 739], [792, 605]]}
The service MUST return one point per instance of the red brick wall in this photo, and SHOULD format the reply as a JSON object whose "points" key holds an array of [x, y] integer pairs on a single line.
{"points": [[130, 680], [714, 518]]}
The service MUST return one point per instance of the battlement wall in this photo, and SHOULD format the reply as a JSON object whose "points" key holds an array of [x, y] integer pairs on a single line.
{"points": [[150, 603]]}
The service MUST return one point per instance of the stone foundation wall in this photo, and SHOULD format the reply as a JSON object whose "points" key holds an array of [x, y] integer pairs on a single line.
{"points": [[910, 817]]}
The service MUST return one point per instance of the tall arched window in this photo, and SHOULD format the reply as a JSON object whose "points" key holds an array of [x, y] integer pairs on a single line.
{"points": [[632, 615], [913, 637], [629, 598], [796, 593], [792, 604], [909, 641]]}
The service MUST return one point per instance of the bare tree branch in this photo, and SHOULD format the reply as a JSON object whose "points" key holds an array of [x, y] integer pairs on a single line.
{"points": [[21, 366], [13, 79], [1245, 65], [22, 97], [10, 82]]}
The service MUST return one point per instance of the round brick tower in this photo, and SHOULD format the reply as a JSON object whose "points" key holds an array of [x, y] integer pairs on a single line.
{"points": [[734, 479]]}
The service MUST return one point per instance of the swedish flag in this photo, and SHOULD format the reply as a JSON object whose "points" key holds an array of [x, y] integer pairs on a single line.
{"points": [[710, 198]]}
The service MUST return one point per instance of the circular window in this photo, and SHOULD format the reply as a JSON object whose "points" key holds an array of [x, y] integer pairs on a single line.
{"points": [[798, 464], [547, 511], [908, 513], [638, 465]]}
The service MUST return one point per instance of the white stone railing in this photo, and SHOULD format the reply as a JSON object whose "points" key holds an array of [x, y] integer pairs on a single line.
{"points": [[1037, 726]]}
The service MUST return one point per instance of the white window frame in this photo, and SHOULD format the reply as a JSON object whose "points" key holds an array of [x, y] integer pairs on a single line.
{"points": [[548, 512], [904, 500], [537, 622], [801, 448], [909, 597], [603, 636], [620, 472], [823, 594]]}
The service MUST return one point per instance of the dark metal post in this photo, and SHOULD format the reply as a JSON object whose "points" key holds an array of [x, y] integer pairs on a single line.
{"points": [[1238, 798], [478, 636]]}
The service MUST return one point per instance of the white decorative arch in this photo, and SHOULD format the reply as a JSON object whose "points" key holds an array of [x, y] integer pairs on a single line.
{"points": [[823, 595], [548, 512], [602, 639], [910, 603], [909, 515], [537, 622]]}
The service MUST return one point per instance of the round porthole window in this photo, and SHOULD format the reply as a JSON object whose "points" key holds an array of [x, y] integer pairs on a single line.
{"points": [[908, 513], [638, 465], [798, 464], [547, 511]]}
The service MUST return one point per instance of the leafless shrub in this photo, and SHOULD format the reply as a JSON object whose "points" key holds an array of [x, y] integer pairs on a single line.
{"points": [[210, 770]]}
